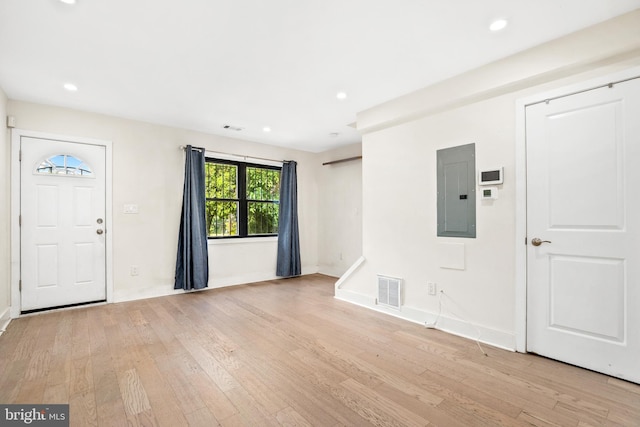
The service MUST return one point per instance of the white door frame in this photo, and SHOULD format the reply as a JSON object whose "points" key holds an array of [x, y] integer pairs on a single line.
{"points": [[16, 135], [521, 188]]}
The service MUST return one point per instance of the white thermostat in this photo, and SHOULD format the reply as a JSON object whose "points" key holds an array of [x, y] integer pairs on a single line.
{"points": [[489, 193], [491, 176]]}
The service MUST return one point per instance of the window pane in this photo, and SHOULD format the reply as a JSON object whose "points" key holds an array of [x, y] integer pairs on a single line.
{"points": [[235, 188], [64, 164], [263, 184], [221, 181], [222, 218], [263, 218]]}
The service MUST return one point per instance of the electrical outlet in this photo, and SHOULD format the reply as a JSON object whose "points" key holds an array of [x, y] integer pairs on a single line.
{"points": [[133, 270], [433, 288]]}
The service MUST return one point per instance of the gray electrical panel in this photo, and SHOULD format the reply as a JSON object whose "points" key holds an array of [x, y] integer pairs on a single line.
{"points": [[456, 177]]}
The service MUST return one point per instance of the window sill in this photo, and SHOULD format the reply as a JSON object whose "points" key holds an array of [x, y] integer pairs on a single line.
{"points": [[237, 241]]}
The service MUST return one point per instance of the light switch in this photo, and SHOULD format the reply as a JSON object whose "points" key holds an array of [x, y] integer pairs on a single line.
{"points": [[131, 209]]}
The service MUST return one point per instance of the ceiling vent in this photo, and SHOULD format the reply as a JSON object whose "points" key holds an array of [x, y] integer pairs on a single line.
{"points": [[230, 127]]}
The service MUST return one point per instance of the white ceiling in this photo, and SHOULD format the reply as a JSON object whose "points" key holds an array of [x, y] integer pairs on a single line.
{"points": [[201, 64]]}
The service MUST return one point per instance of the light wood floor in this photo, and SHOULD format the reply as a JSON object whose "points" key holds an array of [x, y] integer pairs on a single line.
{"points": [[287, 353]]}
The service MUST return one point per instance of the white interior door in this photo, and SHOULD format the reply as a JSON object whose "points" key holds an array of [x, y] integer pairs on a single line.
{"points": [[62, 209], [583, 286]]}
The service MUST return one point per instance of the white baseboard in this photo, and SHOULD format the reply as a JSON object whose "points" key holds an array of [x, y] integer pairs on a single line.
{"points": [[328, 271], [214, 283], [355, 298], [5, 319], [162, 291], [501, 339]]}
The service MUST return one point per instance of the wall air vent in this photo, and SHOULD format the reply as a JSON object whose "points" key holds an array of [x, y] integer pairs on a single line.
{"points": [[230, 127], [389, 291]]}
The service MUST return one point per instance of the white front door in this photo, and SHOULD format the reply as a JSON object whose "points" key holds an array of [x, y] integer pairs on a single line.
{"points": [[62, 209], [583, 285]]}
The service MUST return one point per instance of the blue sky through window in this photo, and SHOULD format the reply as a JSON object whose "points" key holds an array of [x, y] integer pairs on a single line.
{"points": [[64, 164]]}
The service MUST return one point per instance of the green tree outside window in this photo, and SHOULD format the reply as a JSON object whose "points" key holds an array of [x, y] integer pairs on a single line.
{"points": [[241, 199]]}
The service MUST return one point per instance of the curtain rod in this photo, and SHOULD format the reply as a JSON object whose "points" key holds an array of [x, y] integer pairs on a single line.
{"points": [[349, 159], [183, 147]]}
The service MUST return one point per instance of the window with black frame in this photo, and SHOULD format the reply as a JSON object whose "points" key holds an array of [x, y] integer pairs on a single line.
{"points": [[241, 199]]}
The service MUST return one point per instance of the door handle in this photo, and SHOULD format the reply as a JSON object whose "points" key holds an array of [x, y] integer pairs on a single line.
{"points": [[537, 242], [99, 231]]}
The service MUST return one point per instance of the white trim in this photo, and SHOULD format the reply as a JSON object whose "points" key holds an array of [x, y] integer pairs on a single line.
{"points": [[15, 227], [109, 220], [521, 189], [16, 135], [327, 270], [5, 319], [356, 298], [241, 158], [445, 323], [242, 240], [521, 230], [350, 271], [214, 283]]}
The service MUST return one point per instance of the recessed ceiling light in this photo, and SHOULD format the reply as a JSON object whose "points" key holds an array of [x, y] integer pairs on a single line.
{"points": [[341, 95], [70, 87], [334, 134], [68, 1], [266, 129], [498, 24]]}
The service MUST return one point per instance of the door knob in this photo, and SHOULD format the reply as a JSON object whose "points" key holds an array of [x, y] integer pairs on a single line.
{"points": [[99, 231], [537, 242]]}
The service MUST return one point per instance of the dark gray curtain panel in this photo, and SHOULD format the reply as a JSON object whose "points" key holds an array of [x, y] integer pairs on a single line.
{"points": [[192, 264], [288, 264]]}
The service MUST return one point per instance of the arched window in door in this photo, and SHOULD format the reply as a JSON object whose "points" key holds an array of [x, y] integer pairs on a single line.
{"points": [[65, 165]]}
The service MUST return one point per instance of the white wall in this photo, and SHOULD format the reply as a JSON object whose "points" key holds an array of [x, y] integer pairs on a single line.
{"points": [[340, 210], [148, 171], [399, 205], [5, 240], [399, 181]]}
